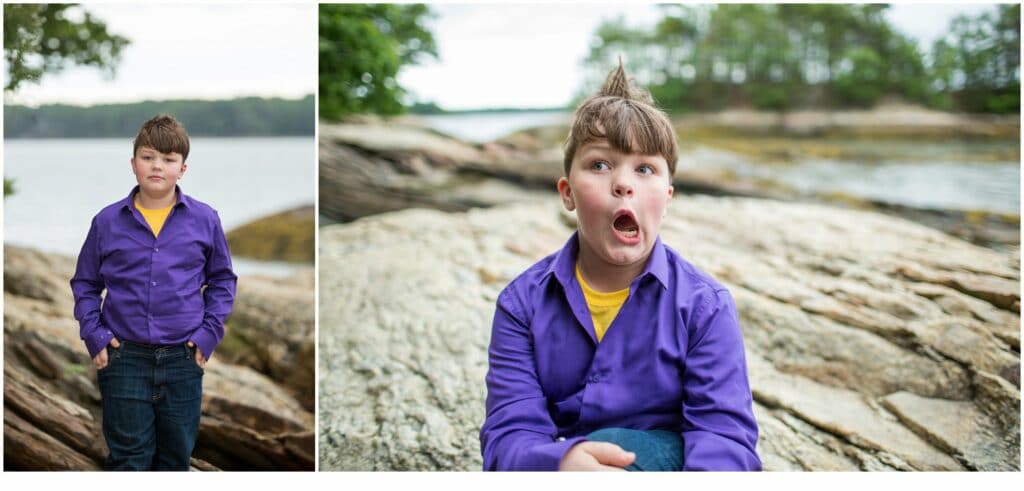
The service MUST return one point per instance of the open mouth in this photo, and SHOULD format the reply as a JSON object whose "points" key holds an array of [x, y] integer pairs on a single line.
{"points": [[626, 226]]}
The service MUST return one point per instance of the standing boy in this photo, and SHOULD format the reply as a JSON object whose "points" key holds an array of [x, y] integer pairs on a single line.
{"points": [[615, 352], [151, 336]]}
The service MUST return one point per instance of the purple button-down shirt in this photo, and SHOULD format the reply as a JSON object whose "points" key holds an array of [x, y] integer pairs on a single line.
{"points": [[672, 359], [154, 284]]}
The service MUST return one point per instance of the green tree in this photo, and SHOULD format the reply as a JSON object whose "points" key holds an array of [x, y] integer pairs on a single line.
{"points": [[978, 63], [783, 56], [861, 81], [44, 38], [362, 48]]}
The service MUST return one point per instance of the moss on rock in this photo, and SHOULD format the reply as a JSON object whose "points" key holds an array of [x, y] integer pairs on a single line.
{"points": [[286, 236]]}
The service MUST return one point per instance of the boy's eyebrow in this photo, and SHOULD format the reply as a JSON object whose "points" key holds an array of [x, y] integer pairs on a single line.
{"points": [[596, 145]]}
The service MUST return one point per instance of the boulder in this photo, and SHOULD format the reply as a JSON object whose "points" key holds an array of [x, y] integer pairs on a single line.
{"points": [[286, 236], [52, 418], [858, 328]]}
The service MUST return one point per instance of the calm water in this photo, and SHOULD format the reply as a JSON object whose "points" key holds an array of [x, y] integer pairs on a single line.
{"points": [[917, 175], [485, 127], [908, 172], [61, 184]]}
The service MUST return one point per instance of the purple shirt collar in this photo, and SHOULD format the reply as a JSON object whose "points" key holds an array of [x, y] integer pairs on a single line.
{"points": [[182, 198], [563, 267]]}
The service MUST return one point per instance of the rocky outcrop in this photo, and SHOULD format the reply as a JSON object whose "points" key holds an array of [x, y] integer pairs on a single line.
{"points": [[366, 169], [253, 415], [891, 119], [271, 330], [872, 343], [286, 236]]}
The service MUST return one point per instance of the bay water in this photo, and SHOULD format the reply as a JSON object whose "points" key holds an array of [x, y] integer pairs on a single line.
{"points": [[60, 185]]}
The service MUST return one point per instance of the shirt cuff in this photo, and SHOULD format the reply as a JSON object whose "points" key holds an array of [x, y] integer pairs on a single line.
{"points": [[205, 341], [547, 456], [98, 340]]}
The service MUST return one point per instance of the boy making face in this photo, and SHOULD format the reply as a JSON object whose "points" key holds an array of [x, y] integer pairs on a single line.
{"points": [[619, 199], [150, 337], [615, 352]]}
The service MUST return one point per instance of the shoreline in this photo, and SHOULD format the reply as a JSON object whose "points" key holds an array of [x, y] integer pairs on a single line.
{"points": [[375, 166], [886, 121]]}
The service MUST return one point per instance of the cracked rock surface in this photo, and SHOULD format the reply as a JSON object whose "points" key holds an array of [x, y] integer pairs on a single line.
{"points": [[257, 404], [872, 343]]}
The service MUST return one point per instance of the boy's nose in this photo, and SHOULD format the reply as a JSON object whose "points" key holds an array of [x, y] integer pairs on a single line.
{"points": [[622, 189]]}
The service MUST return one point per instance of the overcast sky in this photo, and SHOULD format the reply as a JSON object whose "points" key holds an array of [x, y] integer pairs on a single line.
{"points": [[490, 55]]}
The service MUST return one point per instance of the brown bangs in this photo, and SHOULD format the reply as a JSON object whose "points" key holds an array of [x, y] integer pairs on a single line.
{"points": [[629, 126], [163, 134], [626, 117]]}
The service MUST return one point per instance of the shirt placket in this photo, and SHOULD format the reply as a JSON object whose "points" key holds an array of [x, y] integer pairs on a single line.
{"points": [[151, 281], [595, 373], [154, 250], [599, 376]]}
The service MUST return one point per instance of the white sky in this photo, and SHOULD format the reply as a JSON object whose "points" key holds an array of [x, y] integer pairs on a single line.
{"points": [[211, 51], [491, 55]]}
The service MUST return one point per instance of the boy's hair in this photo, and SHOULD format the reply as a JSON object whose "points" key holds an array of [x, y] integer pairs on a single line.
{"points": [[164, 134], [627, 118]]}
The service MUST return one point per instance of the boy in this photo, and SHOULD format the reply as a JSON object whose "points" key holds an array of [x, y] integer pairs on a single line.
{"points": [[615, 352], [153, 252]]}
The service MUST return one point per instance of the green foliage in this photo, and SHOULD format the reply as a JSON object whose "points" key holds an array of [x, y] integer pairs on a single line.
{"points": [[788, 56], [362, 49], [250, 116], [978, 62], [43, 38], [862, 81], [8, 187]]}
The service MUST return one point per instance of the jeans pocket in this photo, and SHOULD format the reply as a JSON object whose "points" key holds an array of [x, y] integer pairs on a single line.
{"points": [[112, 355], [190, 352]]}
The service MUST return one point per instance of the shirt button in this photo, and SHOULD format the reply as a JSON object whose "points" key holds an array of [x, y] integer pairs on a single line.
{"points": [[156, 249], [560, 439], [594, 379], [154, 283]]}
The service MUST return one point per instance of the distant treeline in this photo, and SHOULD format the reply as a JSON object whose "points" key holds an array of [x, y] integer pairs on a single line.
{"points": [[791, 56], [250, 116]]}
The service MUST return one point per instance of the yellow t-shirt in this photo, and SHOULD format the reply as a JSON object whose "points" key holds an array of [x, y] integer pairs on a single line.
{"points": [[603, 306], [155, 218]]}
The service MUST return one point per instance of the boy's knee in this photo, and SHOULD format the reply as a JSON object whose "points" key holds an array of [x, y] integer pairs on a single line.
{"points": [[656, 450]]}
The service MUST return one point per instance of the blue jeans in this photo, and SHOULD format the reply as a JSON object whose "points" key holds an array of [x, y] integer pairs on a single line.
{"points": [[152, 396], [656, 450]]}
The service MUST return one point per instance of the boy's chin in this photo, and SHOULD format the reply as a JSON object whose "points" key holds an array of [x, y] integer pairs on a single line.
{"points": [[626, 255], [155, 188]]}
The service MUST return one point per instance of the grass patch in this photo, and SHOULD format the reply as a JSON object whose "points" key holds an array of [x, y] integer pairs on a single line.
{"points": [[72, 369]]}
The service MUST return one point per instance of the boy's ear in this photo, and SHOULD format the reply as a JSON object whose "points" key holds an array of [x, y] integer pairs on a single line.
{"points": [[566, 193]]}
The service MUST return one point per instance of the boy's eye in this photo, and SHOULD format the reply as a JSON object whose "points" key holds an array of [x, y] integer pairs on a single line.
{"points": [[600, 165], [645, 169]]}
